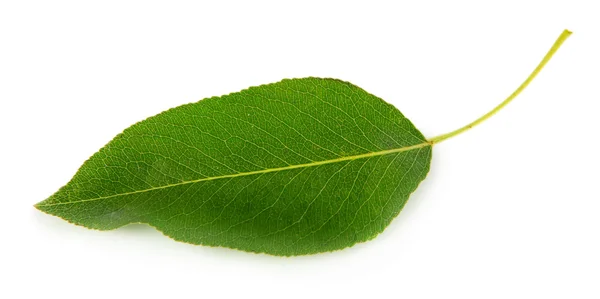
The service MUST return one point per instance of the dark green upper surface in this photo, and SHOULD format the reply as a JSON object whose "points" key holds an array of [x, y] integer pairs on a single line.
{"points": [[296, 167]]}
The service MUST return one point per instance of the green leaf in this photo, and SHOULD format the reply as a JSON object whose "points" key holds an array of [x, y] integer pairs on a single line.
{"points": [[295, 167]]}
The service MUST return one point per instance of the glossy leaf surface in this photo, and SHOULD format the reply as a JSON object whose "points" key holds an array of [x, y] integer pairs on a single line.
{"points": [[296, 167]]}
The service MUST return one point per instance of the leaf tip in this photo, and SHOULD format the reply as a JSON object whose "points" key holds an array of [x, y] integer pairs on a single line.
{"points": [[38, 206], [41, 205]]}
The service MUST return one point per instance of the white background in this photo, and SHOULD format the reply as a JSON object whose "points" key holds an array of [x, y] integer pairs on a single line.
{"points": [[510, 209]]}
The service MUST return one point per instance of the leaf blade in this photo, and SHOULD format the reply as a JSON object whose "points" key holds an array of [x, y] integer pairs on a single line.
{"points": [[255, 140]]}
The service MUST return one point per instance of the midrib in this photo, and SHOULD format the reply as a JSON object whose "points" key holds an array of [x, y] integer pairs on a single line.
{"points": [[240, 174]]}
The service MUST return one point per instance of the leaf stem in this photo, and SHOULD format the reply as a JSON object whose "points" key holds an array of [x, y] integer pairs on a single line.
{"points": [[565, 34]]}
